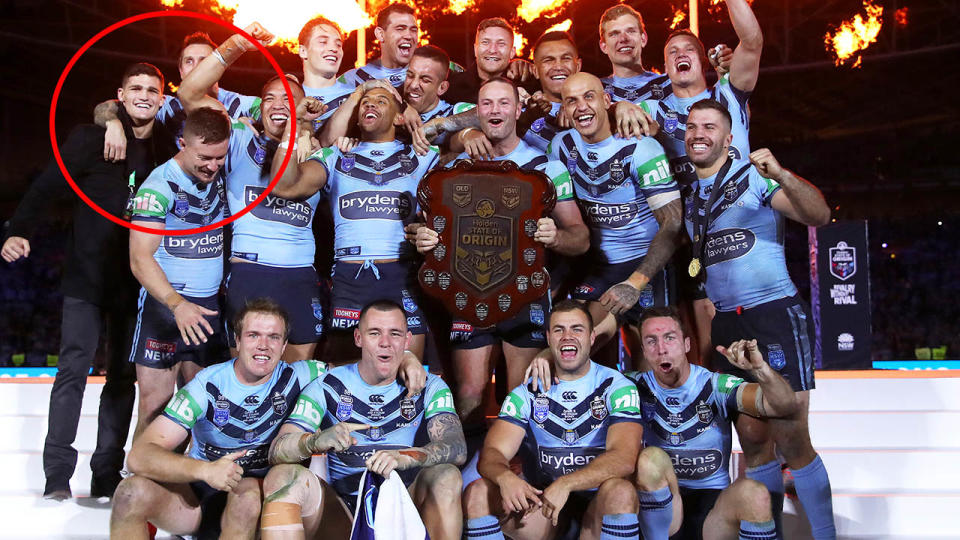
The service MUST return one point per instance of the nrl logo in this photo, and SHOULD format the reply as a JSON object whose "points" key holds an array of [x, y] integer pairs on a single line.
{"points": [[843, 261]]}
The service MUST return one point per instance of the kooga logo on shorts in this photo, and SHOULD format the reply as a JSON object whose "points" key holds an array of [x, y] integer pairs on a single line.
{"points": [[205, 245], [610, 216], [376, 205]]}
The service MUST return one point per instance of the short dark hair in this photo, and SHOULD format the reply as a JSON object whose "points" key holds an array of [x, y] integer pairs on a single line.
{"points": [[504, 80], [556, 35], [383, 16], [617, 11], [383, 305], [436, 54], [265, 306], [141, 68], [197, 38], [307, 31], [568, 305], [290, 77], [656, 312], [701, 52], [712, 104], [498, 22], [211, 125]]}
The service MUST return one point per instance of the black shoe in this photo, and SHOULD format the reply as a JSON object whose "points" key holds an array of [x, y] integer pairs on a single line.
{"points": [[104, 486], [58, 495]]}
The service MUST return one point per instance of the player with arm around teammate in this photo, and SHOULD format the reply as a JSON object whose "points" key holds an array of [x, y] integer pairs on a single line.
{"points": [[232, 411], [579, 441], [366, 419]]}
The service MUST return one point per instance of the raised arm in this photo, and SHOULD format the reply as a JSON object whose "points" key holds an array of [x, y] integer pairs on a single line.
{"points": [[771, 395], [745, 66], [622, 448], [299, 180], [797, 198]]}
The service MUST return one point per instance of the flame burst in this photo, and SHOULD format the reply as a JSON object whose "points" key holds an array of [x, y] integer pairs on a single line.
{"points": [[560, 26], [285, 17], [519, 43], [458, 6], [529, 10], [856, 35], [678, 17], [900, 16]]}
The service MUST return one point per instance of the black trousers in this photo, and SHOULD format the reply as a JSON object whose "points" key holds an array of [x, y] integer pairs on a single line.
{"points": [[80, 334]]}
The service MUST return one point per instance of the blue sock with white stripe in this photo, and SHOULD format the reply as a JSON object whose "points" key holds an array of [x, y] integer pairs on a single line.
{"points": [[770, 475], [813, 490], [619, 526], [656, 513], [484, 528], [751, 530]]}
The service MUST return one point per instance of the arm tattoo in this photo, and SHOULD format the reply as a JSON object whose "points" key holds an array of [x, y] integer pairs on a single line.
{"points": [[447, 444], [451, 124], [670, 219], [105, 112], [626, 294]]}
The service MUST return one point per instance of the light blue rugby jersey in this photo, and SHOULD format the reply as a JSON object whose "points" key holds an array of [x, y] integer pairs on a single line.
{"points": [[396, 421], [646, 85], [373, 195], [225, 416], [277, 232], [671, 113], [529, 158], [743, 252], [442, 109], [374, 70], [691, 424], [618, 183], [193, 264], [332, 96], [543, 130], [172, 115], [567, 425]]}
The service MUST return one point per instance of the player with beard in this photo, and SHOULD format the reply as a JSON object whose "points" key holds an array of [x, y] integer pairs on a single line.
{"points": [[364, 418], [735, 217], [171, 115], [272, 250], [372, 193], [631, 202], [398, 32], [578, 441], [493, 54], [178, 329], [232, 411], [564, 233]]}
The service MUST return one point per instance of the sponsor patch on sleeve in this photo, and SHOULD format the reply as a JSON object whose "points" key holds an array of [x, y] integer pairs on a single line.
{"points": [[726, 383], [625, 400], [441, 402], [513, 407], [183, 409], [317, 368], [564, 185], [150, 203], [307, 412], [655, 172]]}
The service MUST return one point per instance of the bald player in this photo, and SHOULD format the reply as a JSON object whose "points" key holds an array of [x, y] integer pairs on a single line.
{"points": [[631, 203]]}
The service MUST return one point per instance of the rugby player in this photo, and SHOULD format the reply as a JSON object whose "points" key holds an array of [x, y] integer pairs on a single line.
{"points": [[321, 50], [522, 336], [398, 32], [232, 411], [738, 243], [171, 114], [372, 193], [631, 202], [272, 250], [368, 421], [178, 330], [579, 441]]}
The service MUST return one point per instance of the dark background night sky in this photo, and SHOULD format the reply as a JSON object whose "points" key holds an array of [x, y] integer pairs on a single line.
{"points": [[879, 140]]}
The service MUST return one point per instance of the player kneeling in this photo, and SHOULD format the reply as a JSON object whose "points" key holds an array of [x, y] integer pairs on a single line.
{"points": [[370, 422], [580, 442], [232, 410]]}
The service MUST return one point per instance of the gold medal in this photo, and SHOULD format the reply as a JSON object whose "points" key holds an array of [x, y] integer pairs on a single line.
{"points": [[694, 267]]}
